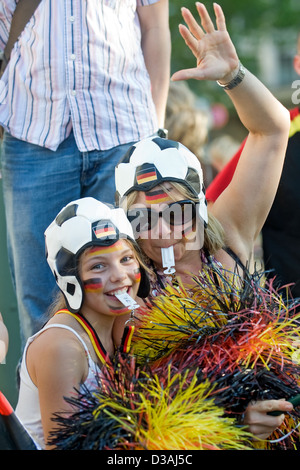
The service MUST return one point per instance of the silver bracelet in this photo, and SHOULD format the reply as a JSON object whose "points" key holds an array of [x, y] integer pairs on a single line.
{"points": [[236, 80]]}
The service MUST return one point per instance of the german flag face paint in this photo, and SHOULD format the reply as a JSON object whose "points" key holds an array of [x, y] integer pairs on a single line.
{"points": [[93, 285], [137, 275], [156, 197], [102, 250], [120, 310]]}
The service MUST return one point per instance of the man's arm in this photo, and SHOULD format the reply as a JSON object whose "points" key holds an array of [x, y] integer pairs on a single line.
{"points": [[7, 8], [156, 46]]}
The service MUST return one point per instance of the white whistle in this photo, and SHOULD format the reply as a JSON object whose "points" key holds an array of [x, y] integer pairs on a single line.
{"points": [[126, 300], [168, 260]]}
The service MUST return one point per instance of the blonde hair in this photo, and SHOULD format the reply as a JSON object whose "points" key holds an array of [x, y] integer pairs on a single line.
{"points": [[221, 150], [185, 122], [59, 303], [214, 235]]}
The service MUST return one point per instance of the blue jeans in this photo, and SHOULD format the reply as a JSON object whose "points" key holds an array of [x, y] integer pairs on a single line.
{"points": [[37, 183]]}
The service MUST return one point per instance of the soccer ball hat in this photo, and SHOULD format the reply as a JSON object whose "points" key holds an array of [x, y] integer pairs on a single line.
{"points": [[155, 160], [83, 223]]}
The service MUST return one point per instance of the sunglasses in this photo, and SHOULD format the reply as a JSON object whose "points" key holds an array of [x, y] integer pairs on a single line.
{"points": [[177, 213]]}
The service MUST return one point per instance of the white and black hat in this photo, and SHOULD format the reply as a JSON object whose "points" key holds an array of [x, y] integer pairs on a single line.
{"points": [[83, 223], [154, 160]]}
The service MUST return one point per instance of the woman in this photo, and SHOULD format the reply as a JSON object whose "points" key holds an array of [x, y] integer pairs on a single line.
{"points": [[93, 256], [156, 173]]}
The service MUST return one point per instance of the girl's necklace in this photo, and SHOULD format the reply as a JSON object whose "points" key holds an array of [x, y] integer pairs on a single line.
{"points": [[95, 340]]}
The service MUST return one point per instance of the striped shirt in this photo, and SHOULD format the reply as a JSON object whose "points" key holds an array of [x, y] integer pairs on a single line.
{"points": [[77, 65]]}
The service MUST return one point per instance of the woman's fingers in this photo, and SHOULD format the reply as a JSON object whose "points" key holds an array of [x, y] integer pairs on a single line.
{"points": [[192, 24], [189, 39], [215, 54], [266, 406], [187, 74], [259, 423], [206, 21], [220, 18]]}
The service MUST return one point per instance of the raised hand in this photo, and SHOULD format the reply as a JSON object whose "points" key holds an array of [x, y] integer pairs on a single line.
{"points": [[214, 51]]}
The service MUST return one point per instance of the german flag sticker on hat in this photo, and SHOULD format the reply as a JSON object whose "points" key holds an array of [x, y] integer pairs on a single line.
{"points": [[104, 229], [146, 173]]}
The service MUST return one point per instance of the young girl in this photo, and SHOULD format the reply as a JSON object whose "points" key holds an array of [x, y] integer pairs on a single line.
{"points": [[95, 261]]}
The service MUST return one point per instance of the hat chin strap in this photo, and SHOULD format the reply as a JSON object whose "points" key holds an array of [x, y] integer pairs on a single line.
{"points": [[203, 207], [74, 300]]}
